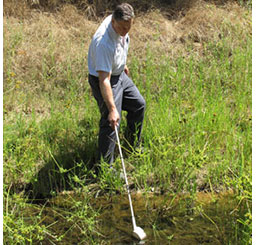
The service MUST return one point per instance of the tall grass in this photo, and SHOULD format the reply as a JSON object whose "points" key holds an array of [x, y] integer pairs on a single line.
{"points": [[196, 136]]}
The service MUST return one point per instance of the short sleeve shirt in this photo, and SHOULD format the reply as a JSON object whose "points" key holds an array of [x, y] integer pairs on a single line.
{"points": [[108, 50]]}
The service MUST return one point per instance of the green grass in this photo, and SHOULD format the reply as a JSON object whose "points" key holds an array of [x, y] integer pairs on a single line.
{"points": [[197, 132]]}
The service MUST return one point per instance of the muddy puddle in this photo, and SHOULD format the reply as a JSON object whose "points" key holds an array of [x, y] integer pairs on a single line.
{"points": [[168, 219], [205, 218]]}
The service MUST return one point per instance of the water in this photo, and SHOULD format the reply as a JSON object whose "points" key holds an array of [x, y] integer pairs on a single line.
{"points": [[168, 219], [203, 218]]}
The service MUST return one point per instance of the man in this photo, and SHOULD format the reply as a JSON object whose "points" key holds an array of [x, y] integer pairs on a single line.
{"points": [[113, 90]]}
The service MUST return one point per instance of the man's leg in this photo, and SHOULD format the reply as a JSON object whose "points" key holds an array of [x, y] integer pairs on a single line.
{"points": [[107, 137], [135, 105]]}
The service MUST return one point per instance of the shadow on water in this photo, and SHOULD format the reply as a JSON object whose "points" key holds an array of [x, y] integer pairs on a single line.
{"points": [[76, 157]]}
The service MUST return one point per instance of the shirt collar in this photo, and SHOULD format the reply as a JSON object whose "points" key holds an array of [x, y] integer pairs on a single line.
{"points": [[112, 32]]}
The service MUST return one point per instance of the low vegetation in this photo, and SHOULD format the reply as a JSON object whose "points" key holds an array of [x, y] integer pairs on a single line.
{"points": [[192, 63]]}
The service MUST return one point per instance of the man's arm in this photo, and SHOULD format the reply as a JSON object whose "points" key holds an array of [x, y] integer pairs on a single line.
{"points": [[106, 92]]}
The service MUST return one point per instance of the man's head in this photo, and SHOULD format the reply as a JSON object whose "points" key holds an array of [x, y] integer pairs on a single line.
{"points": [[122, 18]]}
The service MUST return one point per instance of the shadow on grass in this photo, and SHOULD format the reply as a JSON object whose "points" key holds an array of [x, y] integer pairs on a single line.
{"points": [[70, 166]]}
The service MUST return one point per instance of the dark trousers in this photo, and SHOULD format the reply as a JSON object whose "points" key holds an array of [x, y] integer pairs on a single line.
{"points": [[128, 98]]}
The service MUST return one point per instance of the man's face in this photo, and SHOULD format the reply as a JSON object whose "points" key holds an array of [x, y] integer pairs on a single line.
{"points": [[122, 27]]}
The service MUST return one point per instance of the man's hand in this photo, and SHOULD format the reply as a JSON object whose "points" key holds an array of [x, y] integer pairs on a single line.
{"points": [[106, 92], [126, 70], [113, 118]]}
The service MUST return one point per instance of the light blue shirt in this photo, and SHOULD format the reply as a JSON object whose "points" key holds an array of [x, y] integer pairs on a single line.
{"points": [[108, 50]]}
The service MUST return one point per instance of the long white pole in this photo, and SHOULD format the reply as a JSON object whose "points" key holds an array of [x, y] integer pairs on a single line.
{"points": [[126, 180]]}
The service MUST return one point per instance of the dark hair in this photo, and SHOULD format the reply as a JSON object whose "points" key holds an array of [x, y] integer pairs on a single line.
{"points": [[123, 11]]}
